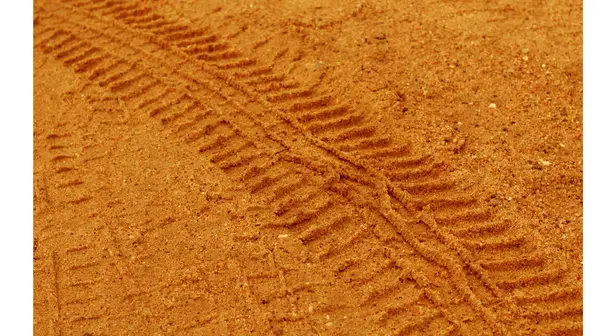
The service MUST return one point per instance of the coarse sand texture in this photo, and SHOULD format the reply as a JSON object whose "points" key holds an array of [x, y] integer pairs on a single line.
{"points": [[307, 168]]}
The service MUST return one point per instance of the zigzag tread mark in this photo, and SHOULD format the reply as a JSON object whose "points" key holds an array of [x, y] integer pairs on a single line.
{"points": [[98, 5], [264, 79], [561, 328], [529, 279], [136, 13], [564, 311], [232, 149], [350, 135], [290, 95], [469, 215], [151, 25], [242, 63], [335, 124], [475, 229], [316, 231], [138, 19], [274, 87], [287, 188], [252, 70], [170, 29], [376, 142], [118, 9], [183, 36], [321, 114], [115, 73], [557, 293], [52, 46], [197, 41], [301, 215], [207, 49]]}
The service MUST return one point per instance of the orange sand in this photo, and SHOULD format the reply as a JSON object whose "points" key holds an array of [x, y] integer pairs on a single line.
{"points": [[299, 168]]}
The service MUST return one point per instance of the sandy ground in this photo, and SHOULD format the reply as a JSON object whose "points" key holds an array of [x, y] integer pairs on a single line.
{"points": [[308, 168]]}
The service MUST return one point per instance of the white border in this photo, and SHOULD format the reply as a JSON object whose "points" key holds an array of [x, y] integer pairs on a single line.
{"points": [[16, 175], [16, 193], [591, 167]]}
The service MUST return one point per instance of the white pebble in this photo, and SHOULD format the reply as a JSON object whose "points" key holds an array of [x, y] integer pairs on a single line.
{"points": [[492, 106]]}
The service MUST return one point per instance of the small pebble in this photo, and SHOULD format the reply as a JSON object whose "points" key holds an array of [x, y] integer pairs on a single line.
{"points": [[459, 123], [525, 58], [494, 202], [492, 106], [283, 236], [545, 163]]}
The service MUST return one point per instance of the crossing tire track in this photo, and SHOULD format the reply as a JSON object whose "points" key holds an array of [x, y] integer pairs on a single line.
{"points": [[443, 226]]}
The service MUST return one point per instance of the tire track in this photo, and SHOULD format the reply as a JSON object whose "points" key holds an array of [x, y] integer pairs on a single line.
{"points": [[451, 220], [64, 164], [80, 273], [89, 271], [82, 268], [262, 183]]}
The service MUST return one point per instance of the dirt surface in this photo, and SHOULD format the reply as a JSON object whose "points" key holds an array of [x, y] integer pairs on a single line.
{"points": [[308, 168]]}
